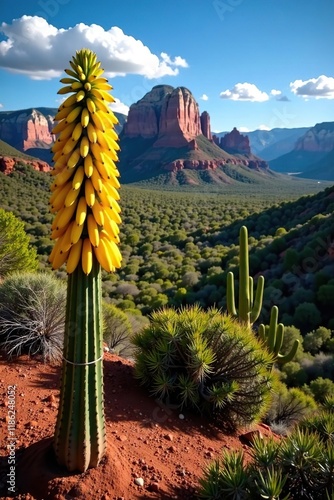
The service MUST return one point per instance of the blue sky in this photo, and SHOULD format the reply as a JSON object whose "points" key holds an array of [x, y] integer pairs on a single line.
{"points": [[250, 63]]}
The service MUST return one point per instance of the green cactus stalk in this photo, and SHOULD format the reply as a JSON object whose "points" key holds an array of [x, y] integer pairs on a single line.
{"points": [[272, 335], [80, 436], [249, 309]]}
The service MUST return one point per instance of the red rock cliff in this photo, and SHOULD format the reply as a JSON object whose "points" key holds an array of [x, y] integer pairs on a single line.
{"points": [[26, 129], [170, 115], [7, 164], [179, 120], [235, 143], [144, 115], [205, 125]]}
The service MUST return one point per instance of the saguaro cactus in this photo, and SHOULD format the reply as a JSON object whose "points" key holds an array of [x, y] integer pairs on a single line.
{"points": [[273, 336], [249, 309], [85, 227]]}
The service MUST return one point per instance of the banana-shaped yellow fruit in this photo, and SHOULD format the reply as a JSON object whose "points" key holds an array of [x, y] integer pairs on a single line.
{"points": [[88, 166], [81, 211], [84, 117], [84, 147], [76, 232], [71, 197], [66, 215], [87, 256], [93, 230], [74, 257], [98, 213], [89, 193], [103, 256], [84, 192]]}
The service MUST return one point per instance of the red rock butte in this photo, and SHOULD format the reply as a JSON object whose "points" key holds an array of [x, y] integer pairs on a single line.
{"points": [[171, 115]]}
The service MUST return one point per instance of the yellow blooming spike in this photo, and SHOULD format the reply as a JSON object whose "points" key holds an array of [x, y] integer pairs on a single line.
{"points": [[84, 156]]}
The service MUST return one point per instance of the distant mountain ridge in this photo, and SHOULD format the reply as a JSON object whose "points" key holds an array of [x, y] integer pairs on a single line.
{"points": [[312, 156]]}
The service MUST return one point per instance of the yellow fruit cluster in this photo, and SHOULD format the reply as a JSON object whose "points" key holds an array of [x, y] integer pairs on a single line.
{"points": [[85, 188]]}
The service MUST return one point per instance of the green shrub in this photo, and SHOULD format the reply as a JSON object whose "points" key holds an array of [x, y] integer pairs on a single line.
{"points": [[117, 329], [32, 315], [299, 467], [289, 406], [207, 361], [16, 253]]}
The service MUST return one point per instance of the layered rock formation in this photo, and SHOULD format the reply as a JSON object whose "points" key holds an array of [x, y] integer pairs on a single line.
{"points": [[7, 164], [31, 128], [234, 143], [26, 129], [165, 131], [319, 139], [205, 125], [170, 115], [144, 116]]}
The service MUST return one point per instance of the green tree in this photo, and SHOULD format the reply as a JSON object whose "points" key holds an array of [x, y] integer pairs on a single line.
{"points": [[16, 253], [307, 316]]}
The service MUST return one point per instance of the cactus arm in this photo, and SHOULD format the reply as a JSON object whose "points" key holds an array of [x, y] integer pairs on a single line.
{"points": [[279, 338], [288, 357], [272, 336], [262, 332], [256, 309], [244, 295], [251, 291], [230, 294], [273, 328]]}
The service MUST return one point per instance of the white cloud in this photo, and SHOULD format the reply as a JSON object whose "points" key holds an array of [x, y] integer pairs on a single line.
{"points": [[35, 48], [243, 129], [119, 107], [321, 87], [1, 105], [178, 61], [245, 92], [263, 127], [275, 92], [204, 97]]}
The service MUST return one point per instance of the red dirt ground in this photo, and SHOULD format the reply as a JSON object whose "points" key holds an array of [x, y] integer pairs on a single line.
{"points": [[145, 440]]}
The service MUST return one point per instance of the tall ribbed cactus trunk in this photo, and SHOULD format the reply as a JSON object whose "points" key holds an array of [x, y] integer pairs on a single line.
{"points": [[249, 307], [79, 440]]}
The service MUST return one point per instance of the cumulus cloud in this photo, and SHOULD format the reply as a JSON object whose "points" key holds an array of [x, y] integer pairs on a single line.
{"points": [[1, 105], [319, 88], [275, 92], [263, 127], [245, 92], [204, 97], [243, 129], [119, 107], [35, 48]]}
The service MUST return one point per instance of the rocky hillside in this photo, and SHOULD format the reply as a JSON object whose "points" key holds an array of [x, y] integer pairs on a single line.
{"points": [[29, 130], [311, 154], [10, 156], [165, 132]]}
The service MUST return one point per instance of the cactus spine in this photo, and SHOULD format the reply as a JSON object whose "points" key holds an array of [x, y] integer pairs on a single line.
{"points": [[249, 309], [79, 440], [273, 336]]}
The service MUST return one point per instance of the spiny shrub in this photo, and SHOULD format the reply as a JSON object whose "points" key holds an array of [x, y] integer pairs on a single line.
{"points": [[298, 467], [205, 361], [32, 315]]}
